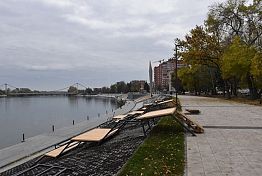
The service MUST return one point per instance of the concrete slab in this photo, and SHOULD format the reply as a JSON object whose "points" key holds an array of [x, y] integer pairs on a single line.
{"points": [[224, 151]]}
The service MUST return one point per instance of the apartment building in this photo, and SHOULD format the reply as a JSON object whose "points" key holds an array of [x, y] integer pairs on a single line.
{"points": [[163, 72]]}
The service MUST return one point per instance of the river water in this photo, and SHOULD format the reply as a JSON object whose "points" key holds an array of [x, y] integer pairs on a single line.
{"points": [[36, 115]]}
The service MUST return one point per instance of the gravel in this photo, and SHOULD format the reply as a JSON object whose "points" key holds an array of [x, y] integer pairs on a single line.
{"points": [[89, 159]]}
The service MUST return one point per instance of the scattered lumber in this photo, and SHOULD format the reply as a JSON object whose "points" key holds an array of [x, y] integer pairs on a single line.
{"points": [[192, 111], [191, 123]]}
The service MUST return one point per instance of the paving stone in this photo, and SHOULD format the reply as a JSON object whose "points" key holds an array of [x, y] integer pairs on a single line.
{"points": [[222, 151]]}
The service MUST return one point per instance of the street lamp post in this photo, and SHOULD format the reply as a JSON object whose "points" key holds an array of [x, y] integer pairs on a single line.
{"points": [[176, 47]]}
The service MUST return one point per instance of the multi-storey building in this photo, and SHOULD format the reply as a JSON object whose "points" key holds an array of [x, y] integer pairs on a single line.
{"points": [[163, 72]]}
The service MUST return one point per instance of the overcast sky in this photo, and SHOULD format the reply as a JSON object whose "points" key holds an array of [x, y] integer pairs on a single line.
{"points": [[50, 44]]}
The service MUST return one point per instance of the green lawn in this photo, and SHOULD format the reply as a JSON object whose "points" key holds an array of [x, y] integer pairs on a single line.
{"points": [[162, 153]]}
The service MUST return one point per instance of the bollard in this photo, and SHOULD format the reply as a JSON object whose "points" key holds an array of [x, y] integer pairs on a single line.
{"points": [[87, 117], [73, 122], [98, 115], [23, 140], [53, 128]]}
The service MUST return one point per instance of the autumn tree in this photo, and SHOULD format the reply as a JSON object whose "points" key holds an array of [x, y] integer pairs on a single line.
{"points": [[236, 62], [121, 87], [203, 48], [235, 18], [196, 78], [227, 45], [113, 88], [256, 70]]}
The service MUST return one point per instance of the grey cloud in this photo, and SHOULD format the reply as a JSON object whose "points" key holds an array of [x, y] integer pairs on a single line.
{"points": [[50, 43]]}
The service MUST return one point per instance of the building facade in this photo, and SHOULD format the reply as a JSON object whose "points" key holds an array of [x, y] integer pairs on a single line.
{"points": [[163, 73]]}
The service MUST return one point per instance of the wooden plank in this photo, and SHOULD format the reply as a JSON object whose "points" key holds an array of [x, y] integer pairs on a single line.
{"points": [[119, 117], [54, 153], [193, 111], [167, 101], [94, 135], [157, 101], [158, 113], [135, 112], [196, 127]]}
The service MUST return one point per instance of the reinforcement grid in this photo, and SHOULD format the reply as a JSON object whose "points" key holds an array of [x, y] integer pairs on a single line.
{"points": [[95, 160]]}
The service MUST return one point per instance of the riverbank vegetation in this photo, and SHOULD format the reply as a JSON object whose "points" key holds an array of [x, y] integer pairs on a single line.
{"points": [[162, 153], [119, 87], [77, 88], [225, 54]]}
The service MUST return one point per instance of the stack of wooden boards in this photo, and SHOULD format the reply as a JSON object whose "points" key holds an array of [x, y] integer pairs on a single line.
{"points": [[99, 134], [190, 122], [167, 107], [94, 135]]}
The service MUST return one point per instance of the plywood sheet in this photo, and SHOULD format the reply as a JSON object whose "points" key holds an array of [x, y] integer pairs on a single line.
{"points": [[158, 113], [135, 112], [167, 101], [119, 117], [94, 135], [54, 153], [197, 127]]}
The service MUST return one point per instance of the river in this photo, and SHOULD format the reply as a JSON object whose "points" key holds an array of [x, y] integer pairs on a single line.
{"points": [[35, 115]]}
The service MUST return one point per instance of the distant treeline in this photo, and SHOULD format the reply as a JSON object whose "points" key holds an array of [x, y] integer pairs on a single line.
{"points": [[18, 90], [119, 87]]}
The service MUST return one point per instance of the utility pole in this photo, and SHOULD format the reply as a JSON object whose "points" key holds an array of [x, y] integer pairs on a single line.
{"points": [[176, 87]]}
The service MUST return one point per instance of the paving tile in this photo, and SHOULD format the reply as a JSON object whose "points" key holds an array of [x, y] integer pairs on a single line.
{"points": [[222, 151]]}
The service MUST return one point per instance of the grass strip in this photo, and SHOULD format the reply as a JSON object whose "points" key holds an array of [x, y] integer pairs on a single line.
{"points": [[256, 102], [162, 153]]}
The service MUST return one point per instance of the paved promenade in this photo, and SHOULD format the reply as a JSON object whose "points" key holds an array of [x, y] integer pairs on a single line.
{"points": [[41, 142], [232, 142]]}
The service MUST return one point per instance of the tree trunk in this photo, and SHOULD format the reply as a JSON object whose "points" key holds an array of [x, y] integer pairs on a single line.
{"points": [[251, 87], [224, 89], [235, 87], [227, 90]]}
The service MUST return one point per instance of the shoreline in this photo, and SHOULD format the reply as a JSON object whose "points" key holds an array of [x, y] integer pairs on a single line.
{"points": [[26, 117], [16, 154], [104, 159]]}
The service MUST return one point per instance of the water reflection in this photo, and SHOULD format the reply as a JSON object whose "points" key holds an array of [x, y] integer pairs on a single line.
{"points": [[36, 115]]}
